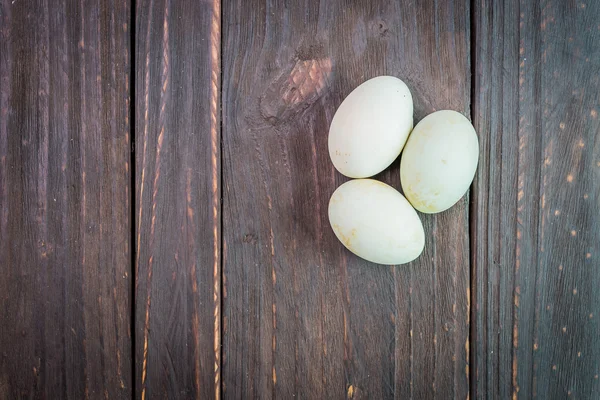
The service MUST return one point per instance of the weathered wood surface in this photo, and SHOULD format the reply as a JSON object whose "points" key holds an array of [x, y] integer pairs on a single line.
{"points": [[536, 216], [177, 208], [65, 228], [302, 316]]}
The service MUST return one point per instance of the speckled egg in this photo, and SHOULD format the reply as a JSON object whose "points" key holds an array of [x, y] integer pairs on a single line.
{"points": [[375, 222], [439, 161], [370, 128]]}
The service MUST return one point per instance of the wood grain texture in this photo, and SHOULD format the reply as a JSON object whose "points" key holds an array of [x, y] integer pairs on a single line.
{"points": [[64, 200], [535, 215], [177, 199], [304, 317]]}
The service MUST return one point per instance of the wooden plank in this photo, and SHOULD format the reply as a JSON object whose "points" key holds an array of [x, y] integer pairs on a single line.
{"points": [[64, 200], [536, 226], [302, 316], [177, 199]]}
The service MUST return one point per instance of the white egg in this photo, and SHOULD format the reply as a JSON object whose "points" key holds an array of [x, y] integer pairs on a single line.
{"points": [[370, 128], [375, 222], [439, 161]]}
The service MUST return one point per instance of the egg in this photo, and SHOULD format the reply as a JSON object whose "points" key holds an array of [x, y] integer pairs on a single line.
{"points": [[439, 161], [370, 127], [375, 222]]}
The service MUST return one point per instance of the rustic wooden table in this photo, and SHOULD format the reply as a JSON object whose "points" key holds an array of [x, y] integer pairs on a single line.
{"points": [[164, 181]]}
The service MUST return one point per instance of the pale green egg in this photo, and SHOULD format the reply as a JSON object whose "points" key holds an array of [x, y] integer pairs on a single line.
{"points": [[370, 127], [375, 222], [439, 161]]}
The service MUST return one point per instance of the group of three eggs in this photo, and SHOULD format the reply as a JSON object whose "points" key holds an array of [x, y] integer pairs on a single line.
{"points": [[370, 129]]}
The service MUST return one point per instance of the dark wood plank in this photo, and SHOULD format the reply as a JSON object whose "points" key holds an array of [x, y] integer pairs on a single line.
{"points": [[64, 200], [536, 225], [177, 199], [302, 316]]}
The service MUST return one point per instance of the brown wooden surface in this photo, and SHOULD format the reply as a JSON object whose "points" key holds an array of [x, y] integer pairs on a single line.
{"points": [[241, 289], [302, 316], [65, 200], [177, 287], [536, 215]]}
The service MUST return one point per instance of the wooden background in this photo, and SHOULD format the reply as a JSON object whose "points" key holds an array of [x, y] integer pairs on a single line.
{"points": [[164, 181]]}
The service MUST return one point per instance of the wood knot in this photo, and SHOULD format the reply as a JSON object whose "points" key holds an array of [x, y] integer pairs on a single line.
{"points": [[296, 89], [381, 28], [249, 238], [310, 52]]}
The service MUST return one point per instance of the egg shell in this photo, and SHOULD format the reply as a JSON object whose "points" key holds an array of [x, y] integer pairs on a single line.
{"points": [[375, 222], [439, 161], [370, 127]]}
